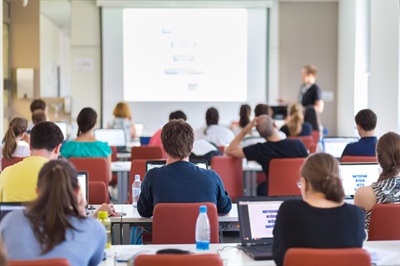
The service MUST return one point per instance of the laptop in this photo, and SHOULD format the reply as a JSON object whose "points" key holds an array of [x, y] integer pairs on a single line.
{"points": [[202, 163], [257, 217], [335, 145], [6, 207], [63, 125], [83, 180], [355, 175], [114, 137]]}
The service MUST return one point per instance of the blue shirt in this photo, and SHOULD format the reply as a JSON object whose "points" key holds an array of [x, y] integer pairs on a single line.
{"points": [[364, 147], [83, 246], [85, 149], [182, 182], [306, 129]]}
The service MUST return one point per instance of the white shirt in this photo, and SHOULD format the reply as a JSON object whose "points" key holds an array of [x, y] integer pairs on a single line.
{"points": [[22, 150], [219, 135]]}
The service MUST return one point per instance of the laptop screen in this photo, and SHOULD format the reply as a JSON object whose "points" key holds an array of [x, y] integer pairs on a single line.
{"points": [[6, 207], [63, 127], [114, 137], [335, 145], [355, 175], [257, 217], [159, 163], [83, 184]]}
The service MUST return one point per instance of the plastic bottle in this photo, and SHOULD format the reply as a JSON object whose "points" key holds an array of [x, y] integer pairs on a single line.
{"points": [[202, 230], [320, 146], [103, 218], [136, 189]]}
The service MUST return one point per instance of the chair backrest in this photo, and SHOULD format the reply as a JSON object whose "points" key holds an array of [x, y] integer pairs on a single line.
{"points": [[384, 222], [283, 176], [358, 159], [230, 170], [114, 153], [98, 193], [315, 135], [8, 162], [307, 141], [326, 257], [179, 259], [146, 152], [41, 262], [98, 168], [174, 223], [138, 167]]}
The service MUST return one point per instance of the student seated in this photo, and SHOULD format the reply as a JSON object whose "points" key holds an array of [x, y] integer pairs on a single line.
{"points": [[52, 226], [295, 125], [321, 219], [86, 145], [244, 119], [387, 187], [180, 180], [366, 123], [13, 144], [123, 119]]}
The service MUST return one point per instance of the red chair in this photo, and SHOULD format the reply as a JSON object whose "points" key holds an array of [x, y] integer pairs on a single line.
{"points": [[221, 148], [98, 168], [283, 176], [41, 262], [358, 159], [98, 193], [315, 135], [327, 257], [307, 141], [179, 259], [385, 222], [147, 152], [174, 223], [8, 162], [230, 170]]}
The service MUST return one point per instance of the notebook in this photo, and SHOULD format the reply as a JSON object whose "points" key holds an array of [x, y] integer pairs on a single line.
{"points": [[158, 163], [114, 137], [83, 180], [257, 217], [335, 145], [355, 175], [6, 207]]}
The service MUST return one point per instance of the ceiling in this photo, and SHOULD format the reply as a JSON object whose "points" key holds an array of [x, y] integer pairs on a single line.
{"points": [[58, 11]]}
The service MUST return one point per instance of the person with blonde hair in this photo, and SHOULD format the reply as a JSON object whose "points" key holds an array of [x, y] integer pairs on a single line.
{"points": [[13, 144], [295, 125], [321, 219], [387, 188], [123, 119]]}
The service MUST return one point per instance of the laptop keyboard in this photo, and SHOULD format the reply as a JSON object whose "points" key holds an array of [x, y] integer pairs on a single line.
{"points": [[263, 248]]}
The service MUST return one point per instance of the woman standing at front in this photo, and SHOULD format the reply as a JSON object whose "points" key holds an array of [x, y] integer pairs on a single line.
{"points": [[321, 219]]}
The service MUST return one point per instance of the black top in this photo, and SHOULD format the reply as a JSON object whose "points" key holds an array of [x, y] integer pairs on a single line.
{"points": [[264, 152], [310, 96], [300, 225], [306, 129]]}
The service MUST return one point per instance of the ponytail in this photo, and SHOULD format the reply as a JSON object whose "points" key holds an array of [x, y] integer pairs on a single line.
{"points": [[295, 124], [16, 128]]}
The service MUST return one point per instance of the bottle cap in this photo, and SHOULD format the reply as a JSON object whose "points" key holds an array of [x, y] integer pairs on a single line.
{"points": [[102, 214], [137, 177], [203, 208]]}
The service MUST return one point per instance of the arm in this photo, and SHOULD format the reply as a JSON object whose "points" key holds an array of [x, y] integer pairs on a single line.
{"points": [[278, 245], [105, 207], [109, 167], [99, 238], [224, 202], [234, 149], [365, 198], [133, 131], [319, 106], [145, 204]]}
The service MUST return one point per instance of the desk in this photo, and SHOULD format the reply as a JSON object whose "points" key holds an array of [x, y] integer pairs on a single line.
{"points": [[388, 251], [123, 156]]}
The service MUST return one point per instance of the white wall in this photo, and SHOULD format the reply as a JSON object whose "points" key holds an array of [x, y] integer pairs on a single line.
{"points": [[154, 115]]}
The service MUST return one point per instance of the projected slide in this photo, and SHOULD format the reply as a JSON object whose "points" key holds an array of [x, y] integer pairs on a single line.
{"points": [[185, 54]]}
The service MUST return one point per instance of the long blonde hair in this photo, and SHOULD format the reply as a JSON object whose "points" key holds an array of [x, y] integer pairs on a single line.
{"points": [[16, 128], [296, 119]]}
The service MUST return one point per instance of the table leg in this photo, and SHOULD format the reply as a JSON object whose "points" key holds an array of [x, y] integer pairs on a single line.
{"points": [[123, 183]]}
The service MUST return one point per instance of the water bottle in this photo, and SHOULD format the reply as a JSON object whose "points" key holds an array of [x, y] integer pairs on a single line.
{"points": [[136, 189], [320, 146], [103, 218], [202, 230]]}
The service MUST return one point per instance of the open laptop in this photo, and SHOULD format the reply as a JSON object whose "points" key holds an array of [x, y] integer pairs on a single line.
{"points": [[63, 125], [257, 217], [335, 145], [158, 163], [6, 207], [355, 175], [114, 137], [83, 180]]}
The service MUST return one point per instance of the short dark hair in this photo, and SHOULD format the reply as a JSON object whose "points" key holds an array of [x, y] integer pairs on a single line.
{"points": [[86, 120], [177, 138], [212, 116], [38, 116], [46, 135], [38, 104], [366, 119], [263, 109], [177, 115]]}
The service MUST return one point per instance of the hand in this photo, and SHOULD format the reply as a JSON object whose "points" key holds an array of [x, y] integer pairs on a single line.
{"points": [[248, 128], [106, 207]]}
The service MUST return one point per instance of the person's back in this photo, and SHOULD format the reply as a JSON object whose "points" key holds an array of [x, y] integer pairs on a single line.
{"points": [[295, 125]]}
